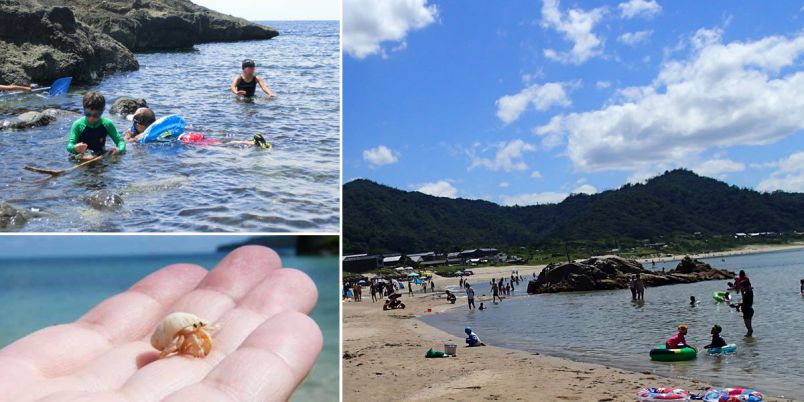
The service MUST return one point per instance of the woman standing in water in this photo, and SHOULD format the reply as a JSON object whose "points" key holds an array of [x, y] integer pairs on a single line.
{"points": [[747, 305]]}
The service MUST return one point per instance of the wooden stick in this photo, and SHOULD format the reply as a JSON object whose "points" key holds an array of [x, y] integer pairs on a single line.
{"points": [[59, 172]]}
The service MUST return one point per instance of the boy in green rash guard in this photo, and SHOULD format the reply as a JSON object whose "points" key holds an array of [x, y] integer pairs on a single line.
{"points": [[90, 131]]}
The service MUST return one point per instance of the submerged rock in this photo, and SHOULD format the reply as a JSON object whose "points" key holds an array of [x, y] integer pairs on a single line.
{"points": [[10, 217], [125, 106], [104, 200], [27, 120], [143, 25], [43, 43], [614, 272]]}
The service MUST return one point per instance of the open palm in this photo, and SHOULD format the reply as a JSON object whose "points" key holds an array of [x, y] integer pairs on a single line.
{"points": [[263, 349]]}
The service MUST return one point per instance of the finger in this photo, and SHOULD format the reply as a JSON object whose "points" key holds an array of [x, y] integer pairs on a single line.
{"points": [[269, 298], [62, 349], [268, 366]]}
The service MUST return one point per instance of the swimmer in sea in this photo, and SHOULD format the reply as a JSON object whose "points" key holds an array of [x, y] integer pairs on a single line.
{"points": [[245, 84]]}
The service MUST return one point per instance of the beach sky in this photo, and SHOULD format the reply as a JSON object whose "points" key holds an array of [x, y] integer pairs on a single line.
{"points": [[524, 102], [44, 246], [276, 10]]}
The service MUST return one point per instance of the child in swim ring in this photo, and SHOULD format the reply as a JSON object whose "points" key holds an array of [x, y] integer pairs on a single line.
{"points": [[717, 341], [198, 138], [143, 118], [245, 84], [678, 341]]}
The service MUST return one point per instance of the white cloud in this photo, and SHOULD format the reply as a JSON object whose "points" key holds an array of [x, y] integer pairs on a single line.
{"points": [[507, 158], [533, 198], [536, 175], [504, 184], [739, 93], [576, 26], [368, 23], [718, 168], [789, 175], [585, 189], [639, 8], [510, 107], [441, 188], [603, 84], [380, 156], [634, 38]]}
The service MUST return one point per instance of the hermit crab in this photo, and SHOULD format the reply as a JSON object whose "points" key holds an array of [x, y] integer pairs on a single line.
{"points": [[183, 334]]}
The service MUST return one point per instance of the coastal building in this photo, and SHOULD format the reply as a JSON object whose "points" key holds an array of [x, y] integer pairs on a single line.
{"points": [[361, 263]]}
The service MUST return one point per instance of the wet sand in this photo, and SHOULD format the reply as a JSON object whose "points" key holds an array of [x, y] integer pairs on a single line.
{"points": [[383, 359]]}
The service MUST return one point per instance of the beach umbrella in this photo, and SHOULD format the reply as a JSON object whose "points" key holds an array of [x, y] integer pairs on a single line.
{"points": [[413, 274], [399, 269]]}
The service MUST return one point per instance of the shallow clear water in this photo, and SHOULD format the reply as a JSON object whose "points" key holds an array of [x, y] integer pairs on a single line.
{"points": [[42, 292], [293, 187], [606, 327]]}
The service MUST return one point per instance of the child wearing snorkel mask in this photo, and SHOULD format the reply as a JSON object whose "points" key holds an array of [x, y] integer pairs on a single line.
{"points": [[143, 118], [89, 132], [245, 84]]}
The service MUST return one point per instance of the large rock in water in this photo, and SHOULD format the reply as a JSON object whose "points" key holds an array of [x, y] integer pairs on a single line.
{"points": [[612, 272], [143, 25], [125, 106], [27, 120], [10, 217], [40, 44], [104, 200]]}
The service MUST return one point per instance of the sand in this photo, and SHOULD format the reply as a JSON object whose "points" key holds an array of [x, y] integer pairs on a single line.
{"points": [[383, 359], [749, 249]]}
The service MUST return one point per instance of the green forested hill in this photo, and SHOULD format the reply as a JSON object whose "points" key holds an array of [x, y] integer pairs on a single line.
{"points": [[378, 218]]}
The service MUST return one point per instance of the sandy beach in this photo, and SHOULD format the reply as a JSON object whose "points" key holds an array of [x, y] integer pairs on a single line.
{"points": [[749, 249], [383, 359]]}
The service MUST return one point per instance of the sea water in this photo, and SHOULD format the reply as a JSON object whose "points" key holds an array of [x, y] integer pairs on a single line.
{"points": [[36, 293], [606, 327], [191, 188]]}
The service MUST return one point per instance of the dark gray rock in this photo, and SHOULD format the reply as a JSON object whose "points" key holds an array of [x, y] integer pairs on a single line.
{"points": [[144, 25], [40, 44], [104, 200], [613, 272], [125, 106], [10, 217], [27, 120]]}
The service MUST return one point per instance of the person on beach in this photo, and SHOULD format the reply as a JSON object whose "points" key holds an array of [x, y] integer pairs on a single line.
{"points": [[410, 288], [742, 277], [640, 288], [747, 306], [632, 286], [470, 296], [482, 307], [13, 87], [471, 338], [717, 341], [495, 293], [678, 340], [451, 297], [802, 287], [245, 84], [89, 132], [432, 286], [373, 292]]}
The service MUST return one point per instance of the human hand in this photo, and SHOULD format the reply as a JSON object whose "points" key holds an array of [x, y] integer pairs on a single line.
{"points": [[241, 93], [263, 349], [80, 148]]}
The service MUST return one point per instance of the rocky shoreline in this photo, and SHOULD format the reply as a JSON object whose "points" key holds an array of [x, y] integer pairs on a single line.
{"points": [[612, 272], [43, 40]]}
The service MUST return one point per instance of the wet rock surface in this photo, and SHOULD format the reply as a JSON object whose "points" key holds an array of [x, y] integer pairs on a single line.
{"points": [[124, 105], [612, 272], [104, 200]]}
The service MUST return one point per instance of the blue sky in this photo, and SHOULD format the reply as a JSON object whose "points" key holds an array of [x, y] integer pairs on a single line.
{"points": [[276, 10], [47, 246], [524, 102]]}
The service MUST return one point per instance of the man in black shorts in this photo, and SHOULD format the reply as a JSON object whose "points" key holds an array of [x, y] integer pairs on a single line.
{"points": [[747, 305]]}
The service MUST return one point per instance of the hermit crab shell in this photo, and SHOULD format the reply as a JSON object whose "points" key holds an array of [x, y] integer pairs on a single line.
{"points": [[166, 331]]}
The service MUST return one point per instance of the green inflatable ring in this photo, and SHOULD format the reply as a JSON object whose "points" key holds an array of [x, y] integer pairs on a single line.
{"points": [[662, 354], [719, 296]]}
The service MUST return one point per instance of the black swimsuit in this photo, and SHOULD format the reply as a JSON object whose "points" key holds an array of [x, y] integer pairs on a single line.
{"points": [[95, 138], [249, 87]]}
